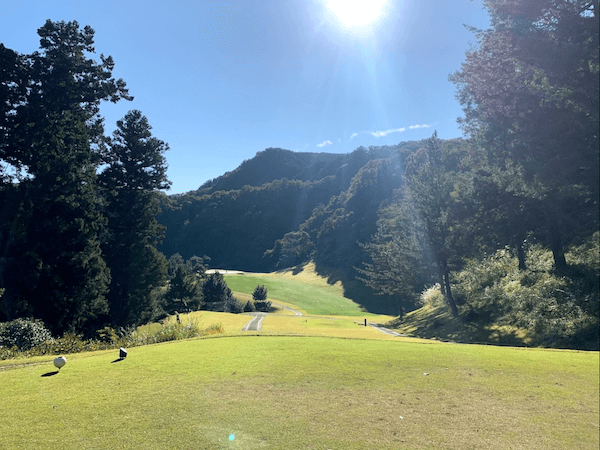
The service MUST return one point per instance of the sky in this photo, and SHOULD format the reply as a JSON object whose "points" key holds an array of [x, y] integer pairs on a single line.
{"points": [[221, 81]]}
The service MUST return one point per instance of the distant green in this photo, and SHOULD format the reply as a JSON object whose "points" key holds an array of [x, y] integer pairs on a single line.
{"points": [[310, 293]]}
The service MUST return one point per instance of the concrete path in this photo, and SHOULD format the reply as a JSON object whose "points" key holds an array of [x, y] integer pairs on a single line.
{"points": [[385, 330], [255, 324], [298, 313]]}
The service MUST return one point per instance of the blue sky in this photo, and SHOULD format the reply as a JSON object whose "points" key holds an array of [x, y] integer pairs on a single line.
{"points": [[221, 81]]}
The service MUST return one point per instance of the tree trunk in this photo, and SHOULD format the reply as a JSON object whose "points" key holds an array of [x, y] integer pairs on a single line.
{"points": [[560, 263], [449, 296], [442, 283], [520, 252]]}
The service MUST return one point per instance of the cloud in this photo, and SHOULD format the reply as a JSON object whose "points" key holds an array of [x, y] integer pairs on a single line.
{"points": [[324, 143], [379, 134], [425, 125], [353, 135]]}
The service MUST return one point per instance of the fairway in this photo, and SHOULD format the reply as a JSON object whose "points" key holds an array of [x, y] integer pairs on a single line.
{"points": [[276, 392], [305, 289]]}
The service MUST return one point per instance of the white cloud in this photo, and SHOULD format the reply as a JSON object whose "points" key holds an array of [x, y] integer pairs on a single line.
{"points": [[353, 135], [324, 143], [379, 134], [425, 125]]}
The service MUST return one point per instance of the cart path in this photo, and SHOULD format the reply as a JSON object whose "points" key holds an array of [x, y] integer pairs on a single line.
{"points": [[255, 324], [298, 313], [381, 328]]}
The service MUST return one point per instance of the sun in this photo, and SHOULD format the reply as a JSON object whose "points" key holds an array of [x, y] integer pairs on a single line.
{"points": [[356, 13]]}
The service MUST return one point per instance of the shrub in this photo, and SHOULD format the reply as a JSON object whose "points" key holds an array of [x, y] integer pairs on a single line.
{"points": [[249, 306], [233, 305], [262, 305], [260, 293], [432, 296], [23, 333], [558, 308]]}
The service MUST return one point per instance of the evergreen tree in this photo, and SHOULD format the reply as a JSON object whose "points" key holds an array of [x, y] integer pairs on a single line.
{"points": [[215, 289], [260, 293], [55, 269], [398, 263], [135, 174], [185, 287], [430, 183], [530, 93]]}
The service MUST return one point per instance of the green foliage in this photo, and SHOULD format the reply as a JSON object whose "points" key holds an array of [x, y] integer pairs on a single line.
{"points": [[184, 293], [135, 172], [530, 95], [35, 340], [249, 306], [52, 132], [262, 305], [215, 289], [260, 293], [558, 309], [23, 334], [233, 305]]}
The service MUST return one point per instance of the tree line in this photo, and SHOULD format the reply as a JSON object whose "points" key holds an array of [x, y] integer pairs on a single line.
{"points": [[78, 228], [524, 179]]}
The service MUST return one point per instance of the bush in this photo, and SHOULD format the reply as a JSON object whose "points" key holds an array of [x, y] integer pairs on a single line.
{"points": [[260, 293], [262, 305], [432, 296], [233, 305], [249, 307], [558, 308], [23, 334]]}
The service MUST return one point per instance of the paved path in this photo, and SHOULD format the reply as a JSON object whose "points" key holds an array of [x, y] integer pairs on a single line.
{"points": [[385, 330], [255, 324], [298, 313]]}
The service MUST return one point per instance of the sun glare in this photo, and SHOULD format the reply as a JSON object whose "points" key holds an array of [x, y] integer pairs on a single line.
{"points": [[356, 13]]}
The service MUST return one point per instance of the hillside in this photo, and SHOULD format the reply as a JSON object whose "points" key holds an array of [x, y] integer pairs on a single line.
{"points": [[237, 217]]}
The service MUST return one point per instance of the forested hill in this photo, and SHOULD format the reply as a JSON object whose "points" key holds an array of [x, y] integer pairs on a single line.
{"points": [[235, 218], [279, 164]]}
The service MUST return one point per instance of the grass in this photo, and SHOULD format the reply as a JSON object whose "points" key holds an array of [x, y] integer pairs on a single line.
{"points": [[305, 393], [309, 291], [436, 322]]}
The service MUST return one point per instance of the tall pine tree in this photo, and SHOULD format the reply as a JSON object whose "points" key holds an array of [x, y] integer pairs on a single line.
{"points": [[54, 269], [131, 183]]}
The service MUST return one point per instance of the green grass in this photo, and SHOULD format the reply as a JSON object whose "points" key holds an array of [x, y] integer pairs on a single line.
{"points": [[276, 392], [431, 322], [305, 289]]}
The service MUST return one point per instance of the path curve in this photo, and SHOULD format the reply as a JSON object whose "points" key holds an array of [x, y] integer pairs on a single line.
{"points": [[255, 324], [381, 328], [298, 313]]}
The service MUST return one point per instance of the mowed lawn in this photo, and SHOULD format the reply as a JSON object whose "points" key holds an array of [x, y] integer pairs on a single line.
{"points": [[310, 292], [284, 392]]}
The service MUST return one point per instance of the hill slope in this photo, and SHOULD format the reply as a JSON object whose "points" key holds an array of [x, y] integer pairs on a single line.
{"points": [[237, 217]]}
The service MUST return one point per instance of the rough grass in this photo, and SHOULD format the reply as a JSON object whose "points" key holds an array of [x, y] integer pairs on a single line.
{"points": [[436, 322], [309, 291], [305, 393]]}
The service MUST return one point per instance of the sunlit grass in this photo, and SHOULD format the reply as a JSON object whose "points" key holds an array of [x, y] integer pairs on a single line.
{"points": [[305, 392], [335, 326], [309, 291]]}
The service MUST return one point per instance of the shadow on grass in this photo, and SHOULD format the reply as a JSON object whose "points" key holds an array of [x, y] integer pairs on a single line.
{"points": [[50, 374], [438, 323], [117, 360], [364, 296]]}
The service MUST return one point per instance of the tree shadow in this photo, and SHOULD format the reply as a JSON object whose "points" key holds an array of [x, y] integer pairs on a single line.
{"points": [[298, 269], [49, 374], [364, 296]]}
